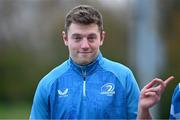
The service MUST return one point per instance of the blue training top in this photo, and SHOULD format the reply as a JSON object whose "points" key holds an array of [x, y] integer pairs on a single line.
{"points": [[175, 105], [100, 90]]}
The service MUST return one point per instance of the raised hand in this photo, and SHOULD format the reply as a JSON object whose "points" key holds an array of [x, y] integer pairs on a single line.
{"points": [[151, 93]]}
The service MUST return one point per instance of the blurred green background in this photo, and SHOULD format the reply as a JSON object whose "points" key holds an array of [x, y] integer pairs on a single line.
{"points": [[31, 45]]}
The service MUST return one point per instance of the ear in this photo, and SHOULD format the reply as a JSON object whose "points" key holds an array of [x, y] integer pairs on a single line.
{"points": [[65, 38], [103, 34]]}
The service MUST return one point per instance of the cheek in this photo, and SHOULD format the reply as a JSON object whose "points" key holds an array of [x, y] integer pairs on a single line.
{"points": [[73, 47], [95, 46]]}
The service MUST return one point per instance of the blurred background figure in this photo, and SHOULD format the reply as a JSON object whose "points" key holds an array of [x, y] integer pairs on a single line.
{"points": [[142, 34], [175, 104]]}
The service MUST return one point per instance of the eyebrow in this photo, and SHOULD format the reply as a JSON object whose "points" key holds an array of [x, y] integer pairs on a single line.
{"points": [[77, 34], [92, 34]]}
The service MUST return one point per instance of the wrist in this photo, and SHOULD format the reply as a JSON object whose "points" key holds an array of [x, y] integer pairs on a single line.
{"points": [[143, 112]]}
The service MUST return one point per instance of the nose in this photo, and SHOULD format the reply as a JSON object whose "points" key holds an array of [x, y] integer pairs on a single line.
{"points": [[84, 44]]}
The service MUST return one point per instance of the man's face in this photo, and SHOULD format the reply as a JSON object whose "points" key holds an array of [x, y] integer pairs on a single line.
{"points": [[83, 42]]}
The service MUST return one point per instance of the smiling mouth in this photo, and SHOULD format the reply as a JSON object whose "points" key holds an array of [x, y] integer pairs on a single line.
{"points": [[85, 52]]}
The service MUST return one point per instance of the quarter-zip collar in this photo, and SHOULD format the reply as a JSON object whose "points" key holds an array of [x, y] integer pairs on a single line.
{"points": [[89, 68]]}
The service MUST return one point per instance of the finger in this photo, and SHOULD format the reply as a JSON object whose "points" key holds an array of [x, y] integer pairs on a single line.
{"points": [[150, 84], [161, 86], [167, 81], [151, 94], [154, 82], [155, 90]]}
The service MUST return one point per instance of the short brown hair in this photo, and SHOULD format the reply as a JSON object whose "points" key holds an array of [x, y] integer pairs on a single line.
{"points": [[84, 14]]}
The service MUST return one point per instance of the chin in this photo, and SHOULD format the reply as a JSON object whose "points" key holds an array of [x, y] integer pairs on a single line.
{"points": [[84, 62]]}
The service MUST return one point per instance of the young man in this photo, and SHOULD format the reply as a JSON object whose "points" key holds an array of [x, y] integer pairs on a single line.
{"points": [[175, 105], [87, 85]]}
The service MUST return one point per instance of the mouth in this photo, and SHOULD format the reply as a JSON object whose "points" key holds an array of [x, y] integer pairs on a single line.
{"points": [[85, 52]]}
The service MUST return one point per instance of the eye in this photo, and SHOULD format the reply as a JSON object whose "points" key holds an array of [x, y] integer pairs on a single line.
{"points": [[77, 38], [92, 38]]}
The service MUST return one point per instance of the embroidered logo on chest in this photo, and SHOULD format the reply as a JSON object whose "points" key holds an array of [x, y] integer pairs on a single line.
{"points": [[63, 93], [108, 89]]}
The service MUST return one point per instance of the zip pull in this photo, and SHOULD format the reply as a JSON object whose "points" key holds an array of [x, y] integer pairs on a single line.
{"points": [[84, 88], [84, 81]]}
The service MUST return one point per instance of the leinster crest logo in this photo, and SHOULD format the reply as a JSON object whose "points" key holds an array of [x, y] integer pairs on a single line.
{"points": [[108, 89]]}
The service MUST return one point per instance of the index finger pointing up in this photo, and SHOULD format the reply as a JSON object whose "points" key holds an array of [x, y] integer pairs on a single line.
{"points": [[167, 81]]}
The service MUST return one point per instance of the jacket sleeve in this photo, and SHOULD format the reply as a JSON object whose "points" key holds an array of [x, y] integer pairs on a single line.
{"points": [[175, 104], [40, 103], [133, 93]]}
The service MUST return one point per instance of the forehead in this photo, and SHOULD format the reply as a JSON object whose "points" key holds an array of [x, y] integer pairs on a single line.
{"points": [[83, 29]]}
